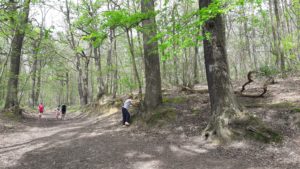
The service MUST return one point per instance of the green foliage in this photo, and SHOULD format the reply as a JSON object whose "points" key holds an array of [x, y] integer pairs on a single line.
{"points": [[124, 19], [268, 70]]}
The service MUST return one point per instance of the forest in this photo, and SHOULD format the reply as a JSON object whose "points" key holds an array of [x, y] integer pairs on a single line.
{"points": [[219, 77]]}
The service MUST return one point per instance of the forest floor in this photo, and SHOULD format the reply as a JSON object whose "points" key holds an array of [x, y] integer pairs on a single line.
{"points": [[101, 142]]}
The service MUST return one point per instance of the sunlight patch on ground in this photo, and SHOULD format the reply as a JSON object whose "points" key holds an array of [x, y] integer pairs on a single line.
{"points": [[263, 168], [194, 148], [238, 145], [141, 155], [108, 112], [153, 164], [181, 152], [159, 149], [286, 96], [11, 155]]}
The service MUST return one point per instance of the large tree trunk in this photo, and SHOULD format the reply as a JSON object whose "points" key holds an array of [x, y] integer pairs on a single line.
{"points": [[15, 57], [223, 103], [153, 96]]}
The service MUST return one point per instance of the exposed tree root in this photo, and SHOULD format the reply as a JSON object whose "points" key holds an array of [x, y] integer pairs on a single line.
{"points": [[241, 126], [250, 77]]}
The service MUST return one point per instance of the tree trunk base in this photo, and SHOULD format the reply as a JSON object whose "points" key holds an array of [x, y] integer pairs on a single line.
{"points": [[241, 126]]}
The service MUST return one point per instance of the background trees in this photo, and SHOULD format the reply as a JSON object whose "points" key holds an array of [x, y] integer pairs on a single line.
{"points": [[97, 48]]}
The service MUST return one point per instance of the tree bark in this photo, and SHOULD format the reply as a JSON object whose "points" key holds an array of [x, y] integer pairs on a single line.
{"points": [[77, 55], [97, 56], [195, 61], [135, 71], [38, 84], [15, 57], [279, 48], [115, 81], [222, 100], [153, 96]]}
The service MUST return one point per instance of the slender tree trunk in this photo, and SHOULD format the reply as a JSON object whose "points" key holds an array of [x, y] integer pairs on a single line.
{"points": [[15, 58], [135, 71], [175, 59], [109, 62], [68, 88], [80, 77], [222, 100], [101, 90], [153, 96], [254, 49], [38, 84], [278, 32], [85, 80], [33, 77], [195, 61], [77, 55], [246, 35], [115, 81]]}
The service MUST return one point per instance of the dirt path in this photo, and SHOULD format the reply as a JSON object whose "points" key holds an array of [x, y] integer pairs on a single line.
{"points": [[102, 143]]}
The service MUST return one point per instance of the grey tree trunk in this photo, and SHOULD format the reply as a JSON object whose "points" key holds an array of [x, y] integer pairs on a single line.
{"points": [[135, 71], [15, 57], [38, 83], [33, 77], [153, 95], [115, 81], [195, 61], [109, 62], [278, 32], [97, 56], [223, 103], [85, 80], [77, 55]]}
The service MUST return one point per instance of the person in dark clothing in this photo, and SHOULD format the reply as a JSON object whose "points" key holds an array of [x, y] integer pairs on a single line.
{"points": [[125, 112], [63, 111]]}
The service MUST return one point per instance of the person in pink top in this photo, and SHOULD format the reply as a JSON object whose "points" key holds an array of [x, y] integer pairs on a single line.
{"points": [[41, 110]]}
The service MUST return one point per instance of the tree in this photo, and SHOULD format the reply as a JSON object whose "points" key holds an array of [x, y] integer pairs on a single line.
{"points": [[223, 103], [153, 96], [15, 55]]}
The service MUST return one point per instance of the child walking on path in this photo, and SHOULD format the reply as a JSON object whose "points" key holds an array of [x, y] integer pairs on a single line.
{"points": [[41, 110], [57, 112]]}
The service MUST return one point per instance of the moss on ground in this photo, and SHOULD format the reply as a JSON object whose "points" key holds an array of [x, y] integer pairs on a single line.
{"points": [[157, 118], [295, 110], [254, 128], [12, 114], [282, 105], [196, 111], [161, 116], [175, 100]]}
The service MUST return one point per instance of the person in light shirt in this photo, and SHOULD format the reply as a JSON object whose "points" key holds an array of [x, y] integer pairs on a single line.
{"points": [[125, 112]]}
